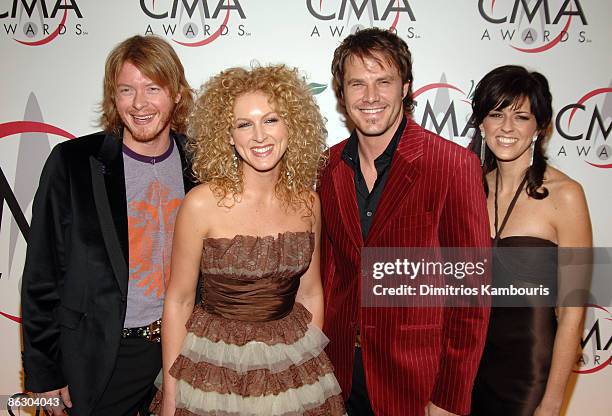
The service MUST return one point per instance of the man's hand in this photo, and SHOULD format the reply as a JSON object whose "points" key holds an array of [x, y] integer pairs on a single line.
{"points": [[433, 410], [547, 410], [64, 397]]}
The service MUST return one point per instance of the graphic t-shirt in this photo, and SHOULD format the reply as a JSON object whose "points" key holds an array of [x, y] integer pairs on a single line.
{"points": [[154, 191]]}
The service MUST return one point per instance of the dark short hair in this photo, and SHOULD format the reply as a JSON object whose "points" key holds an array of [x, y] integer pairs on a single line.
{"points": [[373, 43], [508, 86]]}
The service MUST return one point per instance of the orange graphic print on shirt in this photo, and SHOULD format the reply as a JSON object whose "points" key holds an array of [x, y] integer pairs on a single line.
{"points": [[150, 227]]}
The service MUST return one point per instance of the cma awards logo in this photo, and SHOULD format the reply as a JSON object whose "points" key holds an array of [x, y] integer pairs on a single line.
{"points": [[533, 26], [40, 22], [597, 341], [445, 109], [33, 148], [586, 125], [339, 18], [194, 23]]}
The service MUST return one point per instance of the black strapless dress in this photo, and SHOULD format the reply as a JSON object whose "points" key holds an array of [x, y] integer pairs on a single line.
{"points": [[513, 372], [516, 361]]}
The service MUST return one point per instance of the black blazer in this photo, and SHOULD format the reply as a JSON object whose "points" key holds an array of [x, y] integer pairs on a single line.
{"points": [[75, 280]]}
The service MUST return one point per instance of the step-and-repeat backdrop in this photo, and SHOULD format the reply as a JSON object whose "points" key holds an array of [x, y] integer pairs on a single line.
{"points": [[52, 65]]}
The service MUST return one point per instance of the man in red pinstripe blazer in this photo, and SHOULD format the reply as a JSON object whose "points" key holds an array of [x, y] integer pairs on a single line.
{"points": [[394, 184]]}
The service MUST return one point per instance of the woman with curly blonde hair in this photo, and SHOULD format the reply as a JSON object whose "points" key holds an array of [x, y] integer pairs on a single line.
{"points": [[212, 121], [251, 230]]}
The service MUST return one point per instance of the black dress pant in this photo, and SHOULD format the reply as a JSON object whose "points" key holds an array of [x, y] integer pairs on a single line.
{"points": [[358, 403], [130, 389]]}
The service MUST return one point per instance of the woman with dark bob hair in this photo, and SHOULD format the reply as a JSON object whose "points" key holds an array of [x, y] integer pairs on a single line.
{"points": [[250, 234], [530, 350]]}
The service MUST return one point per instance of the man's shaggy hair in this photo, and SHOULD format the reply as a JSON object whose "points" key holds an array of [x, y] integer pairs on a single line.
{"points": [[156, 60]]}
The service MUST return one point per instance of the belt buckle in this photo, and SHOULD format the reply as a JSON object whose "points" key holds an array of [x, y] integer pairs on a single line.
{"points": [[125, 332], [153, 332]]}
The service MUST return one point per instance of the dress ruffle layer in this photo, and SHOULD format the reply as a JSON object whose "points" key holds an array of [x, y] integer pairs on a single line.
{"points": [[210, 378], [255, 355], [291, 402], [254, 257], [216, 328], [332, 406]]}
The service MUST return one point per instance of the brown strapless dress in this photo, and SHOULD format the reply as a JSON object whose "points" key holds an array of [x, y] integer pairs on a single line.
{"points": [[250, 348]]}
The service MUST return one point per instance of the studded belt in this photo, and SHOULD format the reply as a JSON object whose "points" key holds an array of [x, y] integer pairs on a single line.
{"points": [[152, 332]]}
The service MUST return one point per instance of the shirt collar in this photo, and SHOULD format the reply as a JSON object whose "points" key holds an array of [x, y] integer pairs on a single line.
{"points": [[149, 159], [350, 153]]}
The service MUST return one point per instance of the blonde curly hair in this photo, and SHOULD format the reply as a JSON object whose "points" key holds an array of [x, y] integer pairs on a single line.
{"points": [[212, 119]]}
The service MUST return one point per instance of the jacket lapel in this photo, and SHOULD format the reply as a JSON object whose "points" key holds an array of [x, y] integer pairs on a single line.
{"points": [[401, 177], [344, 185], [188, 179], [108, 184]]}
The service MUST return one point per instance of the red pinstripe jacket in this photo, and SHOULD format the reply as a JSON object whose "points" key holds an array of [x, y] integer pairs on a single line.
{"points": [[433, 197]]}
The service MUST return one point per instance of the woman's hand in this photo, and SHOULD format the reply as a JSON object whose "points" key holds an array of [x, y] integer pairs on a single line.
{"points": [[168, 407]]}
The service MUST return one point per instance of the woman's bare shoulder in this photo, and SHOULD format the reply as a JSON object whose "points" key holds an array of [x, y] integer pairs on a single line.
{"points": [[200, 195], [562, 189]]}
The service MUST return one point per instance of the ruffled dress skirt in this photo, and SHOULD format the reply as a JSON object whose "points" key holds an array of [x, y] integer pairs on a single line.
{"points": [[229, 367]]}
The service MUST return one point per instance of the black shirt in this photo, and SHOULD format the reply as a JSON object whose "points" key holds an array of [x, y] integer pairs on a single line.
{"points": [[367, 201]]}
